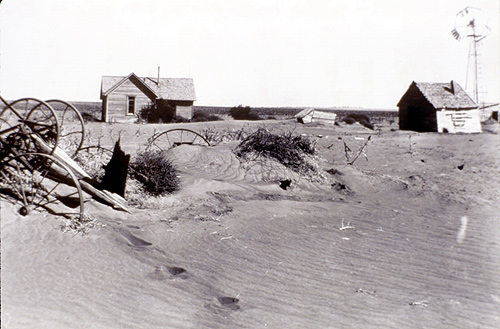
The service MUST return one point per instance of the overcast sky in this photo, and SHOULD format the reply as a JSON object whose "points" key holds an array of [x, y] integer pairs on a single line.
{"points": [[307, 53]]}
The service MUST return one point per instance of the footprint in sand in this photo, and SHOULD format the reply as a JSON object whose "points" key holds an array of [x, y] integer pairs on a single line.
{"points": [[176, 270], [223, 305], [159, 274], [229, 302]]}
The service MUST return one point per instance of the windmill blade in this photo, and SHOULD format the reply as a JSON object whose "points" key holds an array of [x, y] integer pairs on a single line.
{"points": [[455, 34]]}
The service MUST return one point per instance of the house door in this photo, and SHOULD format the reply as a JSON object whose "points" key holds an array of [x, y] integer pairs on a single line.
{"points": [[414, 118]]}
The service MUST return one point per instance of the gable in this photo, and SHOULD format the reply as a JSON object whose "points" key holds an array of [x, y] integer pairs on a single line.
{"points": [[106, 82], [132, 88]]}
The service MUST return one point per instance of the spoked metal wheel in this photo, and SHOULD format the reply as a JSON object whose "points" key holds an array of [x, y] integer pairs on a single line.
{"points": [[8, 119], [9, 124], [37, 182], [30, 119], [176, 137], [72, 126], [9, 116]]}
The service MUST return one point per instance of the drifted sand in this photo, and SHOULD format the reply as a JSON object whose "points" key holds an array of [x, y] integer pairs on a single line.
{"points": [[381, 244]]}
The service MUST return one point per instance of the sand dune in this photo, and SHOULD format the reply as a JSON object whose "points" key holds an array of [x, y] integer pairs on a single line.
{"points": [[375, 245]]}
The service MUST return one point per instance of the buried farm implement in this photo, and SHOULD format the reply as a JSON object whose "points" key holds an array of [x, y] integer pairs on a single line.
{"points": [[36, 171], [175, 137]]}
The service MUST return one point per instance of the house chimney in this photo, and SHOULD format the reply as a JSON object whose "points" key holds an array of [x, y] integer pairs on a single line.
{"points": [[158, 81], [452, 87]]}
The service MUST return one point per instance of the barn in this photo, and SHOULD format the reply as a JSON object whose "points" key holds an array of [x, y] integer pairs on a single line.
{"points": [[424, 104], [124, 96]]}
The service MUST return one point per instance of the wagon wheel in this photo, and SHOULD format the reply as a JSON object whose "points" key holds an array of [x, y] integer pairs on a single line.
{"points": [[92, 160], [9, 116], [38, 181], [71, 125], [175, 137], [9, 124], [28, 117], [8, 119]]}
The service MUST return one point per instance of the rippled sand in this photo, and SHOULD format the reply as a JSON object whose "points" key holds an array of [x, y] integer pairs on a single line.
{"points": [[379, 245]]}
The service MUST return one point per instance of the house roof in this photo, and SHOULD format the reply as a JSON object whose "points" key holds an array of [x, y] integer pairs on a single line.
{"points": [[444, 95], [179, 89]]}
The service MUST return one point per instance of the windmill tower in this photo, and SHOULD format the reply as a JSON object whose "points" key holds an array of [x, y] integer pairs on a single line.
{"points": [[469, 23]]}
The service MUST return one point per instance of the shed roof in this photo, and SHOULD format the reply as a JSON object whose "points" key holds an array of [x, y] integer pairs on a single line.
{"points": [[444, 95], [179, 89]]}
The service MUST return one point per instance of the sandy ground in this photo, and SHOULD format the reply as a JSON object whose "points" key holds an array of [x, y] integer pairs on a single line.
{"points": [[407, 238]]}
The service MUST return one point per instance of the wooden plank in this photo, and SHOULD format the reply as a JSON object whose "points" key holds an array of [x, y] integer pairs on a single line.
{"points": [[113, 199], [85, 180]]}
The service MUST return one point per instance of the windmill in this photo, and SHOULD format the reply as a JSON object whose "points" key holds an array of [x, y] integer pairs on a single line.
{"points": [[470, 23]]}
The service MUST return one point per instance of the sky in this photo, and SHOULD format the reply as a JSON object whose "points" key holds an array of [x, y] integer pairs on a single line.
{"points": [[299, 53]]}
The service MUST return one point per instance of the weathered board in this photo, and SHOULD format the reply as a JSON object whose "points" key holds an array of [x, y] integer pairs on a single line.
{"points": [[116, 105], [453, 122]]}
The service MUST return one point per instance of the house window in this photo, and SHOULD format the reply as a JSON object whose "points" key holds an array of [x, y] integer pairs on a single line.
{"points": [[131, 105]]}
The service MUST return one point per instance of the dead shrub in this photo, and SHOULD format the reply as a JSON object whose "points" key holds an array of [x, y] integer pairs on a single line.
{"points": [[241, 112], [155, 172], [161, 111], [363, 119], [291, 151], [93, 159], [79, 225], [229, 135], [205, 117], [90, 117], [357, 117]]}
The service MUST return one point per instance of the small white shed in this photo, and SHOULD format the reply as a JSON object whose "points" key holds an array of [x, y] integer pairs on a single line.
{"points": [[312, 115]]}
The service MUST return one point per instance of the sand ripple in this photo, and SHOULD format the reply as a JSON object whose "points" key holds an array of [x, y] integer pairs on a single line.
{"points": [[231, 251]]}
